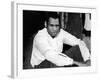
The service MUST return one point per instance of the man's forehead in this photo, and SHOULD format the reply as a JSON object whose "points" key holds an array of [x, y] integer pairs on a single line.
{"points": [[53, 20]]}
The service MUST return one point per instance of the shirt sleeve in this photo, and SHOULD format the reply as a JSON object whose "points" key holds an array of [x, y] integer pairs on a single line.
{"points": [[70, 39], [50, 54], [84, 51]]}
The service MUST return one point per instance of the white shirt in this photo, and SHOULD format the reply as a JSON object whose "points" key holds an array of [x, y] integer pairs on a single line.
{"points": [[46, 47]]}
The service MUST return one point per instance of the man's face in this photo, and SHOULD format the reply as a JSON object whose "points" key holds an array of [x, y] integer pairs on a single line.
{"points": [[53, 27]]}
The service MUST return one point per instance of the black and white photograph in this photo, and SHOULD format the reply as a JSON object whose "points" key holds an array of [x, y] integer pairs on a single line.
{"points": [[52, 39], [56, 39]]}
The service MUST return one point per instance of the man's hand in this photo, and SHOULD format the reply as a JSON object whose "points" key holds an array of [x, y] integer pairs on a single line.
{"points": [[87, 63]]}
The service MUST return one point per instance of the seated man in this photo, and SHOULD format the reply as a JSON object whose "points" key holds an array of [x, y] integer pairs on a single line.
{"points": [[48, 45]]}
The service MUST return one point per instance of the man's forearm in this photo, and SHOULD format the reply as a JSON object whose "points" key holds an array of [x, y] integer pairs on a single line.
{"points": [[84, 51]]}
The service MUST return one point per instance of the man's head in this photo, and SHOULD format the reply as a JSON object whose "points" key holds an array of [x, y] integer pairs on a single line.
{"points": [[53, 24]]}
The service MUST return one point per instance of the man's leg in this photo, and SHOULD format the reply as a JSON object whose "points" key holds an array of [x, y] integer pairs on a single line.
{"points": [[45, 64], [48, 64], [74, 53]]}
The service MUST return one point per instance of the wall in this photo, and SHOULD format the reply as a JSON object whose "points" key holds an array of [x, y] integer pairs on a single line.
{"points": [[5, 38]]}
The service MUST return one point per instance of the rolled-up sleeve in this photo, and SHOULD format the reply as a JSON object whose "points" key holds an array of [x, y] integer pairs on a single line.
{"points": [[50, 54]]}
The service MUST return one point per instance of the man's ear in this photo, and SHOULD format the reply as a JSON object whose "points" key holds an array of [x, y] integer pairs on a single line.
{"points": [[45, 23]]}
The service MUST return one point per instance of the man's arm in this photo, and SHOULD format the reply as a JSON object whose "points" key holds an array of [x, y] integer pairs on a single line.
{"points": [[70, 39], [84, 51]]}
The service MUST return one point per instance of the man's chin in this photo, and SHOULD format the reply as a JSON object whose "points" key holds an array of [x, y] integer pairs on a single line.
{"points": [[53, 36]]}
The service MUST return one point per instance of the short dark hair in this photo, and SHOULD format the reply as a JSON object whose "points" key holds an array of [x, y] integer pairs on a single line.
{"points": [[54, 15]]}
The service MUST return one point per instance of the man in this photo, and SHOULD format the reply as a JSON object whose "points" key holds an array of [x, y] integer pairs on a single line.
{"points": [[48, 46]]}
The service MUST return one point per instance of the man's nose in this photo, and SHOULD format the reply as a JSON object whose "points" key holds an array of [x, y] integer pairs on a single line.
{"points": [[54, 28]]}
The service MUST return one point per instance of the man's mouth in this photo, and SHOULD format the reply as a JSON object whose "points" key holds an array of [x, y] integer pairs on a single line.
{"points": [[53, 32]]}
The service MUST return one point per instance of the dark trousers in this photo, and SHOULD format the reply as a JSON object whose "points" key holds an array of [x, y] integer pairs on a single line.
{"points": [[73, 52], [46, 64]]}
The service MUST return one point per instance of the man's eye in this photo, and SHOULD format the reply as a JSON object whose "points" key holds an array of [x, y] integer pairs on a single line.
{"points": [[57, 25], [51, 25]]}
